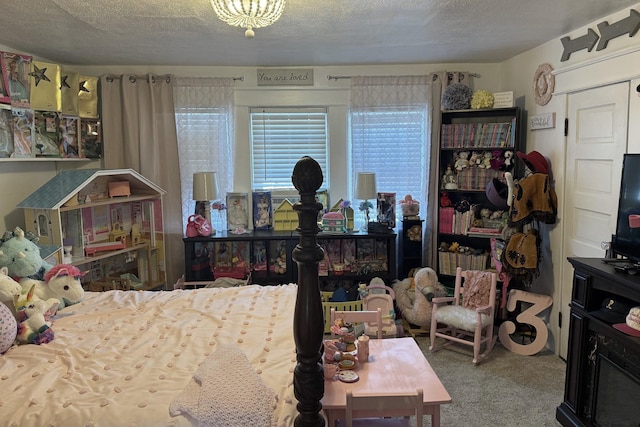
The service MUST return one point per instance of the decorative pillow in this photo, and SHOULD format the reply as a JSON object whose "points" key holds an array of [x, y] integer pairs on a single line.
{"points": [[8, 328]]}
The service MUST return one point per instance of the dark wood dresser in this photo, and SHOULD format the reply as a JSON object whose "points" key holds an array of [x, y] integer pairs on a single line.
{"points": [[603, 364]]}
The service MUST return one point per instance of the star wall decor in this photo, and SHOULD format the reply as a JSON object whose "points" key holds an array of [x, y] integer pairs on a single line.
{"points": [[82, 86], [39, 74], [64, 83]]}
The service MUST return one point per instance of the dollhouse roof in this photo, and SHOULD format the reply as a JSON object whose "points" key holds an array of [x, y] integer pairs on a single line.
{"points": [[68, 183]]}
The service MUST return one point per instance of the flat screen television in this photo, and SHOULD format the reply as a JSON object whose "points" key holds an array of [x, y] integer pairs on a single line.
{"points": [[626, 241]]}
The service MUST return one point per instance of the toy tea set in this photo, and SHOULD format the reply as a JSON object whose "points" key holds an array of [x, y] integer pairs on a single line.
{"points": [[343, 354]]}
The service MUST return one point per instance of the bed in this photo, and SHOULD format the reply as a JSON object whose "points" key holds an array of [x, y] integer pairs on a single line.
{"points": [[173, 358]]}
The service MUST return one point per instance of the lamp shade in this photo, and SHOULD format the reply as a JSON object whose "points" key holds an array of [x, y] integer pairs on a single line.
{"points": [[205, 186], [366, 186]]}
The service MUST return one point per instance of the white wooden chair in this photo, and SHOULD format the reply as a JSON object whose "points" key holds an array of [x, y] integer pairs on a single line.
{"points": [[368, 410], [372, 317], [467, 317]]}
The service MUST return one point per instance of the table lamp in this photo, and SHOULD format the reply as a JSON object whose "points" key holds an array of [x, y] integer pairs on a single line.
{"points": [[205, 188], [365, 190]]}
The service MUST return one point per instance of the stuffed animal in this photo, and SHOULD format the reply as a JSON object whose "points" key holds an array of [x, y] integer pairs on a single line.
{"points": [[9, 289], [33, 328], [62, 282], [21, 256], [8, 327], [486, 160], [417, 310], [508, 161], [497, 160], [462, 162]]}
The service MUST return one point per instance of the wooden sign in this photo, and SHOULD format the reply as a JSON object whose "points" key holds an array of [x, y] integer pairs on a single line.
{"points": [[503, 99], [543, 121], [285, 77]]}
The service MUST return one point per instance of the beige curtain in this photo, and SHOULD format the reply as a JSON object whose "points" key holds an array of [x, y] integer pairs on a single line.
{"points": [[139, 129], [440, 80]]}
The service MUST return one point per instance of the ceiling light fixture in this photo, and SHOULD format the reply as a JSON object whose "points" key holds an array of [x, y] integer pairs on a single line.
{"points": [[248, 14]]}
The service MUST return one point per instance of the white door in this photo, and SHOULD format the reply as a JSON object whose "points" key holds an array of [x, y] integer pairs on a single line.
{"points": [[596, 142]]}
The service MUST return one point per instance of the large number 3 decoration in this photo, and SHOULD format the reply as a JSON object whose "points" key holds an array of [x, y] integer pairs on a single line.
{"points": [[527, 317]]}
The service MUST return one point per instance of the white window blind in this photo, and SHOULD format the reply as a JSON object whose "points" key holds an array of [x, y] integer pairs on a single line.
{"points": [[279, 138], [391, 141]]}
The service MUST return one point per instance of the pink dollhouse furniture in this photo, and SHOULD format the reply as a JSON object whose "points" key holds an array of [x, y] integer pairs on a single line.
{"points": [[367, 317], [467, 317], [405, 404]]}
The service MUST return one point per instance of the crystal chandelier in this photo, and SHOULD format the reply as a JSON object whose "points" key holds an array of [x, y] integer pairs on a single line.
{"points": [[248, 14]]}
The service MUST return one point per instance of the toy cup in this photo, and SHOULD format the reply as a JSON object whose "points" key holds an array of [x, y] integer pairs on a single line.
{"points": [[363, 348], [330, 371]]}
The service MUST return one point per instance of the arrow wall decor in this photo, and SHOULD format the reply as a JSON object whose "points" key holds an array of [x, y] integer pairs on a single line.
{"points": [[630, 24], [588, 41]]}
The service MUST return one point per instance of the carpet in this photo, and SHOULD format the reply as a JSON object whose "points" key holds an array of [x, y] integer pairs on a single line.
{"points": [[503, 390]]}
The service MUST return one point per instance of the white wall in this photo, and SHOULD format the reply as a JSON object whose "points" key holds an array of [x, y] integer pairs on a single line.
{"points": [[619, 61], [28, 176]]}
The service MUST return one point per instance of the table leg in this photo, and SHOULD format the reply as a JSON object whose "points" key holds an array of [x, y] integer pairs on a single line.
{"points": [[435, 416]]}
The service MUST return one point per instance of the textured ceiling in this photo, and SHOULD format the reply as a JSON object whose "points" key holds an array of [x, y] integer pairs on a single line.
{"points": [[310, 32]]}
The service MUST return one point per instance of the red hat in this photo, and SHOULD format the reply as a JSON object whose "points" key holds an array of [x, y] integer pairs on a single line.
{"points": [[632, 325], [535, 161]]}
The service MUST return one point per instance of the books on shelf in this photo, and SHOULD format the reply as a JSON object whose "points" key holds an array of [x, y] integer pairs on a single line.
{"points": [[478, 135]]}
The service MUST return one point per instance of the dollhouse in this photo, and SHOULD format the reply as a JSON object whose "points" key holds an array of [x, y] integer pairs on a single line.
{"points": [[107, 233]]}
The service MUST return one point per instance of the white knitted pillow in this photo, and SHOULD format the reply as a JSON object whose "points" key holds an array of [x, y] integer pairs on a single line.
{"points": [[226, 391]]}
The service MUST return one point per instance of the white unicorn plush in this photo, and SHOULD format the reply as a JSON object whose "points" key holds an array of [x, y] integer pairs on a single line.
{"points": [[62, 281], [33, 328]]}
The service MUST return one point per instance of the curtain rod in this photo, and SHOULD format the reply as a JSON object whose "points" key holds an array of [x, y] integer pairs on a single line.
{"points": [[133, 78], [348, 77]]}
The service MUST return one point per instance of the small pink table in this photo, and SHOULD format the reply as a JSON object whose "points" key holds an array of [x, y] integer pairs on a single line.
{"points": [[395, 365]]}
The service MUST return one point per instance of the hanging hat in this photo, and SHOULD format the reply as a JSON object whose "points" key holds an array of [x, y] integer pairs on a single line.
{"points": [[535, 161], [497, 192]]}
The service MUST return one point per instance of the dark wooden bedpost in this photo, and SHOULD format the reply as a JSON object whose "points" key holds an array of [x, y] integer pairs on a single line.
{"points": [[308, 323]]}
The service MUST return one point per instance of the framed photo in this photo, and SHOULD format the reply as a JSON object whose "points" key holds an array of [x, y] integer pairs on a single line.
{"points": [[90, 138], [6, 132], [69, 138], [237, 211], [387, 208], [322, 196], [262, 210]]}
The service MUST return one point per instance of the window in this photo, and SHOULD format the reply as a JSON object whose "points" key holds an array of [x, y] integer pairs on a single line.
{"points": [[279, 138], [203, 145], [392, 142]]}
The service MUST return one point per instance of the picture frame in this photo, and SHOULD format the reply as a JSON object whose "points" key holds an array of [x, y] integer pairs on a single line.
{"points": [[46, 134], [262, 210], [237, 211], [386, 206], [90, 138]]}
